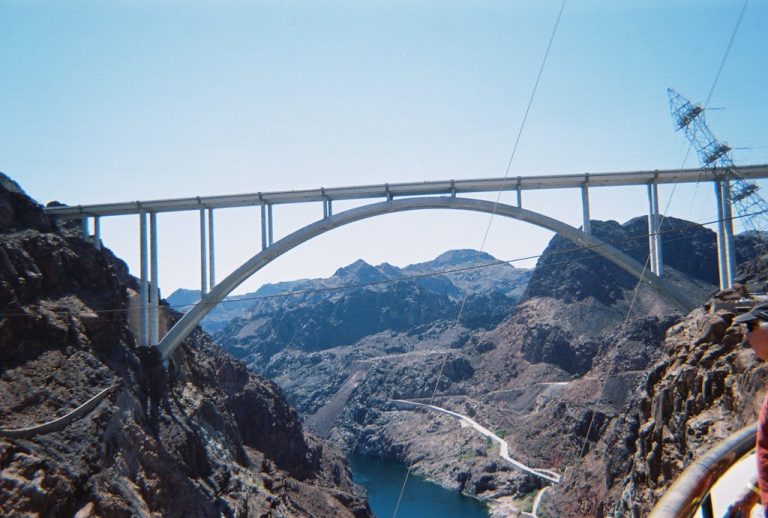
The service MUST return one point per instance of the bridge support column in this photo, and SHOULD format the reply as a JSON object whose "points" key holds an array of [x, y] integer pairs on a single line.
{"points": [[721, 268], [587, 227], [211, 254], [97, 232], [154, 287], [726, 253], [266, 224], [327, 208], [144, 283], [203, 257], [269, 225], [519, 193], [654, 228], [730, 247], [263, 227]]}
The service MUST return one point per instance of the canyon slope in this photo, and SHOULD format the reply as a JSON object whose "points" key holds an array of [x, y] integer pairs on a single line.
{"points": [[202, 437]]}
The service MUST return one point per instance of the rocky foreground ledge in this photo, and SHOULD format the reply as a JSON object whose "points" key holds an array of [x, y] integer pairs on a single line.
{"points": [[204, 437]]}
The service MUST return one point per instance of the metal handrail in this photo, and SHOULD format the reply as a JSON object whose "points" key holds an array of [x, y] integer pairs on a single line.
{"points": [[691, 488]]}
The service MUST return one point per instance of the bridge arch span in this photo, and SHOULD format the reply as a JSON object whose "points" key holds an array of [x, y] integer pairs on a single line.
{"points": [[187, 323]]}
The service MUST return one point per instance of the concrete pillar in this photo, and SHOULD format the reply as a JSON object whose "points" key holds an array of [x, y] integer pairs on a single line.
{"points": [[654, 230], [651, 231], [143, 286], [263, 227], [721, 251], [211, 255], [330, 207], [586, 226], [154, 288], [97, 231], [203, 257], [730, 252], [269, 224]]}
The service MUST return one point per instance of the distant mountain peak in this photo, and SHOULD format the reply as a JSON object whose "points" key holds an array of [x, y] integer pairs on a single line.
{"points": [[361, 271], [182, 298], [462, 257]]}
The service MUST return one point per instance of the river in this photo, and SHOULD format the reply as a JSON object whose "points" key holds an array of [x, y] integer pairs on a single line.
{"points": [[383, 480]]}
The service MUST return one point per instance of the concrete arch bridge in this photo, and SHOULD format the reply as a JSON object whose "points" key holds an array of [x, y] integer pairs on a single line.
{"points": [[401, 197]]}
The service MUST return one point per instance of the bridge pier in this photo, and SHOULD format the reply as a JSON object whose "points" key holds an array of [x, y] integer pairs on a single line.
{"points": [[586, 226], [726, 260], [203, 256], [730, 246], [266, 225], [207, 254], [263, 227], [97, 232], [327, 208], [154, 288], [143, 282], [211, 253], [654, 228], [149, 290], [86, 233]]}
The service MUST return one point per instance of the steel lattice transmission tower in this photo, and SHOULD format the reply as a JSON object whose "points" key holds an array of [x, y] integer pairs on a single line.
{"points": [[689, 117], [732, 188]]}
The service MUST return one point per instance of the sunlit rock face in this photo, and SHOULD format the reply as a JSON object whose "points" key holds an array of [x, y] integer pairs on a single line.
{"points": [[203, 437]]}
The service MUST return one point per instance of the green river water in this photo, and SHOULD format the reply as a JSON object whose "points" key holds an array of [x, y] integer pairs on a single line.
{"points": [[383, 481]]}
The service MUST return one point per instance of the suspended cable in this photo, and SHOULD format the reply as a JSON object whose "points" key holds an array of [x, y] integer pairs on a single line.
{"points": [[663, 217], [488, 228], [714, 84]]}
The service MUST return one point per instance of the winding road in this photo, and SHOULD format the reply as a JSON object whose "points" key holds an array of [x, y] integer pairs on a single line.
{"points": [[503, 447]]}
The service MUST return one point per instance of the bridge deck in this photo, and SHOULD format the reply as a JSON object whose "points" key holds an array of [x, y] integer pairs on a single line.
{"points": [[522, 183]]}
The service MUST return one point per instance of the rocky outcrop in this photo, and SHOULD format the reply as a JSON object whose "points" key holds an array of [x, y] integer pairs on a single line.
{"points": [[706, 387], [566, 271], [703, 386], [687, 247], [752, 258], [203, 437], [570, 273]]}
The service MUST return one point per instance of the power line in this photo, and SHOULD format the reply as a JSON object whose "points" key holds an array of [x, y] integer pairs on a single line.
{"points": [[663, 217], [488, 228]]}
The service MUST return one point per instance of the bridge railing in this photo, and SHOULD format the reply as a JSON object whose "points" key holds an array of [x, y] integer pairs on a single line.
{"points": [[691, 490]]}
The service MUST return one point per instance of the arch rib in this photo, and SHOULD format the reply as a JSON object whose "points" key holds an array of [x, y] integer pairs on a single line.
{"points": [[187, 323]]}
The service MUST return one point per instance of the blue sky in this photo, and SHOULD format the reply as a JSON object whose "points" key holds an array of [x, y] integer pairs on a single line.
{"points": [[115, 101]]}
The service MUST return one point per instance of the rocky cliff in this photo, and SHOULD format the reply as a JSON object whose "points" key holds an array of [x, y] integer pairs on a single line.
{"points": [[704, 385], [203, 437]]}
